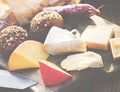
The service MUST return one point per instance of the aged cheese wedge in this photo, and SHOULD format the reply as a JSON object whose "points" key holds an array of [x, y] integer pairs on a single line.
{"points": [[52, 74], [60, 41], [27, 55], [82, 61], [97, 37], [115, 48]]}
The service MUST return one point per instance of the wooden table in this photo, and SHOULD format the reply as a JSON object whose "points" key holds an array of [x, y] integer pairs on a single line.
{"points": [[89, 80]]}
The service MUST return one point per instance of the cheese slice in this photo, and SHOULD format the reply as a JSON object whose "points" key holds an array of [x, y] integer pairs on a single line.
{"points": [[60, 41], [115, 48], [97, 37], [82, 61], [27, 55]]}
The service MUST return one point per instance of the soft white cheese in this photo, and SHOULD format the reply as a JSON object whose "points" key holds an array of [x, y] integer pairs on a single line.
{"points": [[82, 61]]}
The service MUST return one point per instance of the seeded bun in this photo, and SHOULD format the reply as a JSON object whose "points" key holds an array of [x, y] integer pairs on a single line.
{"points": [[10, 38], [42, 22]]}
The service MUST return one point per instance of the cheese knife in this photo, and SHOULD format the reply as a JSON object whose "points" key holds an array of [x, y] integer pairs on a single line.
{"points": [[14, 80]]}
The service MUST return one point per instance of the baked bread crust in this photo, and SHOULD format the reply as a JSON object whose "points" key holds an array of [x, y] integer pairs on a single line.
{"points": [[10, 15]]}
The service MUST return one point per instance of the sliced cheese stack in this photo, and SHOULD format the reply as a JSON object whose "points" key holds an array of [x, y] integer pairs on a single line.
{"points": [[115, 47], [97, 37], [27, 55], [60, 41], [82, 61]]}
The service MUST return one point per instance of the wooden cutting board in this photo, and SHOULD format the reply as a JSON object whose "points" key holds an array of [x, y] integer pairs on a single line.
{"points": [[79, 77]]}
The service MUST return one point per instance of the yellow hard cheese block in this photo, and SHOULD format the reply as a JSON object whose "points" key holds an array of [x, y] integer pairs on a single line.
{"points": [[27, 55], [97, 37], [115, 47]]}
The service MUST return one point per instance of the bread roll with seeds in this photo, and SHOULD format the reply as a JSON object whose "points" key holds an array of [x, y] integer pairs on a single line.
{"points": [[42, 22], [10, 38]]}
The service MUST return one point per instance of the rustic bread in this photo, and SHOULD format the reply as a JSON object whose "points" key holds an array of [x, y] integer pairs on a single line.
{"points": [[7, 17], [21, 11]]}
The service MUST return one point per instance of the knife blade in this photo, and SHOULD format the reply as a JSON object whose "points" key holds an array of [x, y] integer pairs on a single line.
{"points": [[15, 80]]}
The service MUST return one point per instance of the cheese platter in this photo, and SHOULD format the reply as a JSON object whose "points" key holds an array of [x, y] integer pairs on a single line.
{"points": [[79, 75]]}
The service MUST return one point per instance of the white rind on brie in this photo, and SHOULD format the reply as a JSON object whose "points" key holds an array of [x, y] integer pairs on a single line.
{"points": [[60, 41]]}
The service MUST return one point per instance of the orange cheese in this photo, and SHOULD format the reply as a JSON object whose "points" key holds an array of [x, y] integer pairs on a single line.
{"points": [[27, 55], [97, 37], [115, 48]]}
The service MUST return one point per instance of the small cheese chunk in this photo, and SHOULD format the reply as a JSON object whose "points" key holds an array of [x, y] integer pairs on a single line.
{"points": [[115, 47], [60, 41], [27, 55], [82, 61], [97, 37]]}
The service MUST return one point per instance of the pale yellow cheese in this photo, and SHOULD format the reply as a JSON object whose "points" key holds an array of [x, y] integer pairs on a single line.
{"points": [[27, 55], [97, 37], [115, 48]]}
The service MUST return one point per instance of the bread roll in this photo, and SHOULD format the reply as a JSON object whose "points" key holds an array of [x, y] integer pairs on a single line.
{"points": [[42, 22], [10, 38]]}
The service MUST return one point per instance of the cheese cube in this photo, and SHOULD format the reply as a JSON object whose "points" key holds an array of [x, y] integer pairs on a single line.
{"points": [[115, 48], [97, 37]]}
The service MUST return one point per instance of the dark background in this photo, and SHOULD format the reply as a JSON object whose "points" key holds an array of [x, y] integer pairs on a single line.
{"points": [[101, 82], [110, 11]]}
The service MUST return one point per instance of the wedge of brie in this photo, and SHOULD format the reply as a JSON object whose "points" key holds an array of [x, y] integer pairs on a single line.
{"points": [[82, 61], [60, 41]]}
